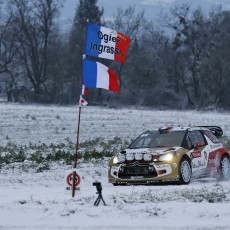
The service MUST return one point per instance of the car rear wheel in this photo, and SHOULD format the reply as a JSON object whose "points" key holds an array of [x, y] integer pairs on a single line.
{"points": [[225, 168], [185, 171]]}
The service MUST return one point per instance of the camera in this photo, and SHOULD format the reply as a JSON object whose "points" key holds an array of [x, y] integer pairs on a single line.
{"points": [[98, 186], [96, 183], [99, 189]]}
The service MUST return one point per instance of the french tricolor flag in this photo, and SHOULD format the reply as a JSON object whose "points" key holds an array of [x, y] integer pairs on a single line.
{"points": [[97, 75], [103, 42]]}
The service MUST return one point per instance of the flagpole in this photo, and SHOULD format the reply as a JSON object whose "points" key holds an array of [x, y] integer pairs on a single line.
{"points": [[76, 155], [78, 133], [119, 74]]}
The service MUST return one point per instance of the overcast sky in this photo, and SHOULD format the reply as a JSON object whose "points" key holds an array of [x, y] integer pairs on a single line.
{"points": [[152, 8]]}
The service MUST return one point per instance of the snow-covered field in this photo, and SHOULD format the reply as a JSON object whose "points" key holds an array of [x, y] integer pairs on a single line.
{"points": [[30, 200]]}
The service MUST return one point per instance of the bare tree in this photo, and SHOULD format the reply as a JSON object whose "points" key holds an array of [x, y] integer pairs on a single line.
{"points": [[6, 45], [130, 23], [190, 46], [215, 68], [127, 21], [34, 23], [7, 51]]}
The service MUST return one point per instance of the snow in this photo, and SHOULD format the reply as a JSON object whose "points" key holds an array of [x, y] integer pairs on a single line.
{"points": [[31, 200]]}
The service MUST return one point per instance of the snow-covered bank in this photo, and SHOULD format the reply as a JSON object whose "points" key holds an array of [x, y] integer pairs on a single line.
{"points": [[22, 124]]}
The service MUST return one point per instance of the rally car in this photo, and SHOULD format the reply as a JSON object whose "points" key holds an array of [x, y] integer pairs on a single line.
{"points": [[172, 154]]}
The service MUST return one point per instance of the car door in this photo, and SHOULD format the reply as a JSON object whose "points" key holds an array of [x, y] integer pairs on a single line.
{"points": [[198, 153]]}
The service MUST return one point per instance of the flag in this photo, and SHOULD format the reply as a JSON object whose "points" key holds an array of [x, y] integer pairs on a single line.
{"points": [[84, 91], [103, 42], [97, 75], [82, 101]]}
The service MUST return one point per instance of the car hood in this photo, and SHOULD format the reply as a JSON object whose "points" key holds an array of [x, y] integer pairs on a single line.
{"points": [[153, 151]]}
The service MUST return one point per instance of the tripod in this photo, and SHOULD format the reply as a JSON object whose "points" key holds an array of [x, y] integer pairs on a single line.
{"points": [[99, 189], [99, 198]]}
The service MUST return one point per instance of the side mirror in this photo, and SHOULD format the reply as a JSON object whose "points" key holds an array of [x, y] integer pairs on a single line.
{"points": [[199, 145]]}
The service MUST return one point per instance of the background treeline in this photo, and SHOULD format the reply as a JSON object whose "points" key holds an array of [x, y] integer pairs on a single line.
{"points": [[183, 61]]}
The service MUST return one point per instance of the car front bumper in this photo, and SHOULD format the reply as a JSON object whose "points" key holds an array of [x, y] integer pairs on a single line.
{"points": [[138, 173]]}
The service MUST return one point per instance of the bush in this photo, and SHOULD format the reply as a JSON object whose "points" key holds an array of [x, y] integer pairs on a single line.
{"points": [[43, 154], [61, 155]]}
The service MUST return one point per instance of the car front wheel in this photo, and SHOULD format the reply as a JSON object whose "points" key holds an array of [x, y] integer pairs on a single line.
{"points": [[185, 171], [225, 168]]}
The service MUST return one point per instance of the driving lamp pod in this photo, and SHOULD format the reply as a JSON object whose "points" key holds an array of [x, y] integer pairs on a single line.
{"points": [[147, 157], [166, 157], [129, 156], [121, 158], [138, 156]]}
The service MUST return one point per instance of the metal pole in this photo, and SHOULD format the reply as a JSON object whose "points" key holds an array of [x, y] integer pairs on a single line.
{"points": [[79, 114], [78, 133], [76, 155], [77, 144], [119, 74], [73, 183]]}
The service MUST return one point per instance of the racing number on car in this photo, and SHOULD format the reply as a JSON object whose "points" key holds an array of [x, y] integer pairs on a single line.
{"points": [[69, 179]]}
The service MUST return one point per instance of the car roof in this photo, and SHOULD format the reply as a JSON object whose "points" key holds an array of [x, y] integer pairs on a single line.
{"points": [[177, 128], [216, 130]]}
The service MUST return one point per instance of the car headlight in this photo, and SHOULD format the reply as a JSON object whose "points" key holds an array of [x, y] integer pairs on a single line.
{"points": [[166, 157], [119, 158], [115, 160]]}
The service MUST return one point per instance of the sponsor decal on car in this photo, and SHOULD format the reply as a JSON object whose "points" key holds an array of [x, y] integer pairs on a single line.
{"points": [[205, 155], [163, 169], [213, 146], [196, 154], [198, 164]]}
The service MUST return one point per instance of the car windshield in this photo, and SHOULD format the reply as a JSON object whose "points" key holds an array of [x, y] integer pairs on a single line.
{"points": [[144, 140], [156, 139]]}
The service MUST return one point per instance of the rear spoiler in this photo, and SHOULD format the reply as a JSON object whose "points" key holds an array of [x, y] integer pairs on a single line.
{"points": [[216, 130]]}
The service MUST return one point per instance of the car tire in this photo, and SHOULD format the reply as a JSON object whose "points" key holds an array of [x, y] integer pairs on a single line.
{"points": [[185, 171], [225, 168]]}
